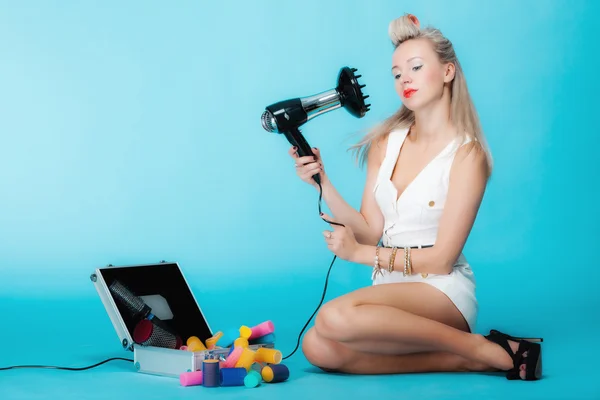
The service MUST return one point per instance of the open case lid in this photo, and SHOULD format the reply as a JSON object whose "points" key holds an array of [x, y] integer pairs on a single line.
{"points": [[161, 286]]}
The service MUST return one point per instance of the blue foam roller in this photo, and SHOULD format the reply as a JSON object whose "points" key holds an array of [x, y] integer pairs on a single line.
{"points": [[233, 376], [229, 337], [267, 339]]}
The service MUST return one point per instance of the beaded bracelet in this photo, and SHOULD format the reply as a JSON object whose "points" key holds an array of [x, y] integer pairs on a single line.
{"points": [[405, 261], [409, 262], [376, 266]]}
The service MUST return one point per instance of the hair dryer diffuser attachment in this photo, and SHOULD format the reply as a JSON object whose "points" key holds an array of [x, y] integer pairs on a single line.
{"points": [[351, 95], [285, 115]]}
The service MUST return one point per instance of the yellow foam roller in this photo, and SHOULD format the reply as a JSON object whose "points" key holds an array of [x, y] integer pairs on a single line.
{"points": [[192, 339], [195, 344], [240, 342], [211, 342], [270, 356], [246, 359], [245, 332]]}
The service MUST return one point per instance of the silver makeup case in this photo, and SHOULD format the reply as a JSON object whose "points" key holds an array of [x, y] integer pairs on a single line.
{"points": [[164, 289]]}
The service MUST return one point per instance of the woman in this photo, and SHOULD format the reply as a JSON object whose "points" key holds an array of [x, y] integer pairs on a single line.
{"points": [[427, 169]]}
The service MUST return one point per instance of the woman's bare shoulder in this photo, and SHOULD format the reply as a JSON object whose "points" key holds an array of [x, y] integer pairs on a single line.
{"points": [[378, 148], [472, 156]]}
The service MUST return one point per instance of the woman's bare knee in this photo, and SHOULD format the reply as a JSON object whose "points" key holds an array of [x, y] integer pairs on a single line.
{"points": [[321, 352], [334, 321]]}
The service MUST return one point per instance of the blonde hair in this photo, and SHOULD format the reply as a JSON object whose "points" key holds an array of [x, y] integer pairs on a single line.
{"points": [[462, 110]]}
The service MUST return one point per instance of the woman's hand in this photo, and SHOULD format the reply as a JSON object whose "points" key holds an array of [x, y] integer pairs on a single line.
{"points": [[341, 241], [308, 166]]}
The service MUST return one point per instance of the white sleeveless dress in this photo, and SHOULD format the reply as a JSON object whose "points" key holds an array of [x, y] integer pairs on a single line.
{"points": [[413, 220]]}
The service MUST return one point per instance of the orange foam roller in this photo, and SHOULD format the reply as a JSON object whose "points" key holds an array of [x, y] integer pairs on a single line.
{"points": [[240, 342]]}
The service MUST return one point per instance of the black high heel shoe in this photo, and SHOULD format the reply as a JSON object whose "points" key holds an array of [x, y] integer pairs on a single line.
{"points": [[532, 361]]}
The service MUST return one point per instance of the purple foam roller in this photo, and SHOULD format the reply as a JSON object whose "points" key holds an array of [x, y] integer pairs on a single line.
{"points": [[211, 374], [275, 373]]}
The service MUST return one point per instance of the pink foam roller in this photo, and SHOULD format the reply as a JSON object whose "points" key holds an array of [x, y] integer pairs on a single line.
{"points": [[262, 329], [191, 378], [233, 357]]}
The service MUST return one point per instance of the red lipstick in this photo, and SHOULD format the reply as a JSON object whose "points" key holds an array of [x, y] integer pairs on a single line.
{"points": [[409, 92]]}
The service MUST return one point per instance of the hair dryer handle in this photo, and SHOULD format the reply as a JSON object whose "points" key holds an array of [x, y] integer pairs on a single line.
{"points": [[297, 139]]}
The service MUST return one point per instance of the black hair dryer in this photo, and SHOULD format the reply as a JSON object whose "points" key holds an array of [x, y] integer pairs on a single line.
{"points": [[288, 115]]}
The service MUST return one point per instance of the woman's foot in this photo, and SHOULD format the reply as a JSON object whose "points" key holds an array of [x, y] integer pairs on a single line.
{"points": [[520, 357]]}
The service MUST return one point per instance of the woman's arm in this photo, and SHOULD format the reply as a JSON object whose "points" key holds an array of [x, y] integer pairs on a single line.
{"points": [[367, 224], [468, 179]]}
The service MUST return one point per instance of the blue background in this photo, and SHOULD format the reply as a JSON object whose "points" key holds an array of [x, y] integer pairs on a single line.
{"points": [[130, 133]]}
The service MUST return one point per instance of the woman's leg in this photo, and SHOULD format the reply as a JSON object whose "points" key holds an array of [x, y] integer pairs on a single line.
{"points": [[405, 318], [334, 356]]}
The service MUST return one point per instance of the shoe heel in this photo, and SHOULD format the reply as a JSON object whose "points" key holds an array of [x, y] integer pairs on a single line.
{"points": [[532, 361], [538, 368], [533, 373]]}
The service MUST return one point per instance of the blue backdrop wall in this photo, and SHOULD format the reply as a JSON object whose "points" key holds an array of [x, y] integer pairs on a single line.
{"points": [[130, 133]]}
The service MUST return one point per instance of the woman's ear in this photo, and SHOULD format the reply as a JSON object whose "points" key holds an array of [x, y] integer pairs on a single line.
{"points": [[449, 71]]}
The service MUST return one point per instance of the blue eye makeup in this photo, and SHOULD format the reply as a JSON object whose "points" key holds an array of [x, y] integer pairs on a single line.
{"points": [[415, 68]]}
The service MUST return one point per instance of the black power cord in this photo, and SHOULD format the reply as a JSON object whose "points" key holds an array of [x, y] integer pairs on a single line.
{"points": [[286, 357], [65, 368], [326, 278]]}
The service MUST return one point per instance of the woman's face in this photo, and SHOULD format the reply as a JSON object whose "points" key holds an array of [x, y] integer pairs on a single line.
{"points": [[418, 74]]}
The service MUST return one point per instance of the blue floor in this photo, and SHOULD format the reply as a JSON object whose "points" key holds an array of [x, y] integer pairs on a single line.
{"points": [[82, 336], [118, 380]]}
